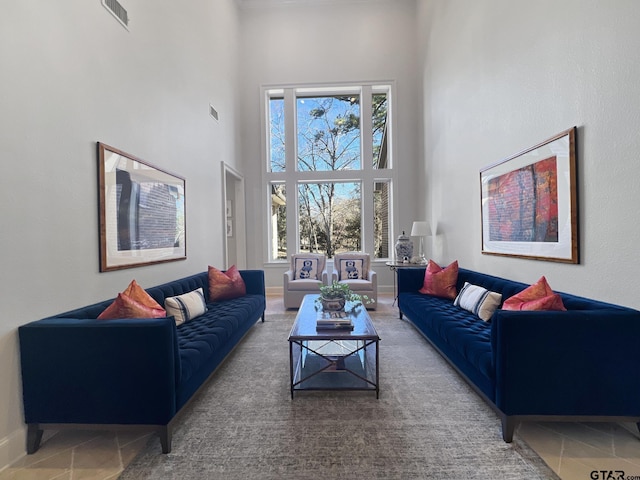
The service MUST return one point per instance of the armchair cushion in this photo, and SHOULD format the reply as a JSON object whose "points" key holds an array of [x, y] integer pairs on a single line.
{"points": [[309, 286]]}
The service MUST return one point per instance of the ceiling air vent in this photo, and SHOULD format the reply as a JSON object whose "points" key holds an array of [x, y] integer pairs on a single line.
{"points": [[117, 11]]}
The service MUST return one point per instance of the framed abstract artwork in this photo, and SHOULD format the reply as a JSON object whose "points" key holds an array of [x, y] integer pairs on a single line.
{"points": [[141, 210], [529, 202]]}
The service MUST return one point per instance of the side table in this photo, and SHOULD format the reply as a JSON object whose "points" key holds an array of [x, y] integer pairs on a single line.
{"points": [[395, 266]]}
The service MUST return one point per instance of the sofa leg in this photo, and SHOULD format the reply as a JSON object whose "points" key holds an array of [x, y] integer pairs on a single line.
{"points": [[508, 427], [262, 317], [34, 436], [165, 438]]}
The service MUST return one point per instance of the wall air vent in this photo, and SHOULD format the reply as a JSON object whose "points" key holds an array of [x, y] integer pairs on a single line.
{"points": [[117, 11], [213, 112]]}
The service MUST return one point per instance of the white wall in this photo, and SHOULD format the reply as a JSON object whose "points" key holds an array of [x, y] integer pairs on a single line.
{"points": [[503, 75], [71, 76], [346, 41]]}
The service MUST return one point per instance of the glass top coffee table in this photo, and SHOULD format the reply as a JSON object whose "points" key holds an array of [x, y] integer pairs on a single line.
{"points": [[333, 359]]}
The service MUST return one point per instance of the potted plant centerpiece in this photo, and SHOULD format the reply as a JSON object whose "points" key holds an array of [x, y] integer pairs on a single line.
{"points": [[335, 296]]}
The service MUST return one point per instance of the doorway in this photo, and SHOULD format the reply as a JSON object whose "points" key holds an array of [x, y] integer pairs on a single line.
{"points": [[233, 205]]}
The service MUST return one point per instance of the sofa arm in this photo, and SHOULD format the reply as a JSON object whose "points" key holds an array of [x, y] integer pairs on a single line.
{"points": [[99, 371], [254, 281], [410, 279], [579, 362]]}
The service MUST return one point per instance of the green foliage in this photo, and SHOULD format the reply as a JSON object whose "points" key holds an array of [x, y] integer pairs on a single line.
{"points": [[342, 290]]}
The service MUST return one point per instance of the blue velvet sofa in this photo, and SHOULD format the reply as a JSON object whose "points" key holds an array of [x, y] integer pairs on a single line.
{"points": [[578, 365], [79, 372]]}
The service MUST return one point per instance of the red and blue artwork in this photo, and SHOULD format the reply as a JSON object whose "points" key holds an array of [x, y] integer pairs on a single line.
{"points": [[523, 204]]}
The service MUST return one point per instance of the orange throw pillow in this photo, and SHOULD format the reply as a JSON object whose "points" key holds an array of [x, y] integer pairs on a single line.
{"points": [[126, 307], [538, 296], [133, 302], [225, 285], [440, 282], [140, 295]]}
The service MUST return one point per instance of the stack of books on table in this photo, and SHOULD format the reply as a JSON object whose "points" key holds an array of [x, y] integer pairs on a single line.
{"points": [[333, 321]]}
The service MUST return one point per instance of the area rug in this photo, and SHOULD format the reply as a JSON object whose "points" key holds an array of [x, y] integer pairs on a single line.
{"points": [[427, 423]]}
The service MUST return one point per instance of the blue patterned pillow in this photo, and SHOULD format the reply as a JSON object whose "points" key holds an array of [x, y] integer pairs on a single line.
{"points": [[351, 269], [305, 269]]}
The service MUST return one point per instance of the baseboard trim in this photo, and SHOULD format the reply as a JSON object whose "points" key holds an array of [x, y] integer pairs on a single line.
{"points": [[12, 448]]}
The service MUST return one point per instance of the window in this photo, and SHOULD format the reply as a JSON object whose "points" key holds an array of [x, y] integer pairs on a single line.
{"points": [[329, 171]]}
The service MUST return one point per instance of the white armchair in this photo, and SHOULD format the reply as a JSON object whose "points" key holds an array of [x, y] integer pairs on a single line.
{"points": [[306, 272], [354, 268]]}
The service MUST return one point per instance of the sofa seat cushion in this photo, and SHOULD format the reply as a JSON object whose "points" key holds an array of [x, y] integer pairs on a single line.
{"points": [[199, 338], [460, 330], [469, 335]]}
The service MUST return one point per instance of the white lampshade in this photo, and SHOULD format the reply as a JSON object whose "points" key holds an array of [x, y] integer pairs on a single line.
{"points": [[420, 229]]}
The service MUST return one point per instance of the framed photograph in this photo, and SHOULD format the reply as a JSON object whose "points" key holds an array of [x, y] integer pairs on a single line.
{"points": [[529, 202], [141, 210]]}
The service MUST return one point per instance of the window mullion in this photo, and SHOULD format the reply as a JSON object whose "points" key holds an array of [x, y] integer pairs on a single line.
{"points": [[366, 128], [290, 130], [290, 175], [366, 142]]}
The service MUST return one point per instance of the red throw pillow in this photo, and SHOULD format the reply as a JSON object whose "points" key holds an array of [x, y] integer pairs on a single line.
{"points": [[133, 302], [126, 307], [225, 285], [538, 296], [440, 282]]}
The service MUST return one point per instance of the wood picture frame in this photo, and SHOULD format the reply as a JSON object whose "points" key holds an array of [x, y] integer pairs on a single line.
{"points": [[529, 202], [141, 212]]}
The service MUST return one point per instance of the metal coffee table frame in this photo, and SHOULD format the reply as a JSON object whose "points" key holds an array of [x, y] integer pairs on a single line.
{"points": [[333, 359]]}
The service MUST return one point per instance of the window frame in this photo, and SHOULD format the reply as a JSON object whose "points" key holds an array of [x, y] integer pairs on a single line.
{"points": [[368, 176]]}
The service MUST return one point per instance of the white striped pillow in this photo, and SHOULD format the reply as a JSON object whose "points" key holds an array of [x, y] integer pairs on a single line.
{"points": [[186, 307], [478, 300]]}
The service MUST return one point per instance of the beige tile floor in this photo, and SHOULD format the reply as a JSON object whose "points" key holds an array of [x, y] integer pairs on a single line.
{"points": [[572, 450]]}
